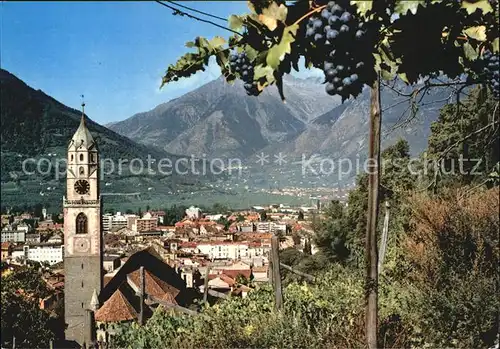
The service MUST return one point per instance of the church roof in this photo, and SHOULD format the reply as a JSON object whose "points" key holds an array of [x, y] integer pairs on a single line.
{"points": [[160, 278], [116, 309], [153, 286], [82, 136]]}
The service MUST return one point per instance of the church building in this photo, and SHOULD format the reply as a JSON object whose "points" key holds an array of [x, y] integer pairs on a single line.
{"points": [[82, 234], [91, 309]]}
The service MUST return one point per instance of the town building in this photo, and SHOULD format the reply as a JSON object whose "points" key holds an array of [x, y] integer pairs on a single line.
{"points": [[42, 253], [13, 236], [271, 227], [147, 223], [82, 234], [6, 251]]}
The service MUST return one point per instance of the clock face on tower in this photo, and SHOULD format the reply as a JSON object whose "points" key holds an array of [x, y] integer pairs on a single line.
{"points": [[82, 187], [82, 245]]}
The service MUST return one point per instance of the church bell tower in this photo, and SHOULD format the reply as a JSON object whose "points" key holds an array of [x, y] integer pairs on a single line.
{"points": [[82, 231]]}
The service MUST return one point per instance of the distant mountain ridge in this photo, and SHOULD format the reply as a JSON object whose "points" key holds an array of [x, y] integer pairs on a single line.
{"points": [[35, 125], [33, 122], [219, 119]]}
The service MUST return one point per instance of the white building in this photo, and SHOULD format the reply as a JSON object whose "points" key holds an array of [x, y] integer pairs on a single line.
{"points": [[232, 250], [23, 227], [13, 236], [270, 227], [193, 213], [224, 250], [119, 221], [106, 222], [50, 253], [214, 217], [116, 222]]}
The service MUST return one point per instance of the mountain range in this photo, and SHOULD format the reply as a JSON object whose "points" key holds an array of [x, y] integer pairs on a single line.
{"points": [[220, 120], [216, 120], [35, 125]]}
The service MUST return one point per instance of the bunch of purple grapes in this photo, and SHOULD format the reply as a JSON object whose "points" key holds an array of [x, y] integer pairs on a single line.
{"points": [[347, 45], [491, 71], [241, 65]]}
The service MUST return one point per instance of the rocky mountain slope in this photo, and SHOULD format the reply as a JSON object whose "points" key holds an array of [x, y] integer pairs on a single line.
{"points": [[220, 120], [35, 125], [343, 131]]}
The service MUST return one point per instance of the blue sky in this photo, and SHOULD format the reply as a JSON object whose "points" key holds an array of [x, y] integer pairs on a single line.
{"points": [[113, 53]]}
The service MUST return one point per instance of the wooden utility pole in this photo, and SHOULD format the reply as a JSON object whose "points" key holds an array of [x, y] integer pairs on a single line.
{"points": [[372, 215], [205, 287], [275, 259], [270, 270], [383, 240], [141, 295]]}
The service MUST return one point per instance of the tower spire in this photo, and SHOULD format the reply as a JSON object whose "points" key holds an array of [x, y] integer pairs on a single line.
{"points": [[83, 109]]}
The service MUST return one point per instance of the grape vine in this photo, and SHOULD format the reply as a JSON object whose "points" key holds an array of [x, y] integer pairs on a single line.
{"points": [[353, 41], [241, 66], [344, 40], [491, 70]]}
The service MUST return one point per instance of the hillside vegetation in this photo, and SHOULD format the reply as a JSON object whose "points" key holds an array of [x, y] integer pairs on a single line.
{"points": [[438, 282]]}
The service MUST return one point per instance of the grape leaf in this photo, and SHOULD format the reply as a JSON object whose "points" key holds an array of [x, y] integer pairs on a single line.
{"points": [[403, 77], [261, 71], [217, 42], [495, 45], [473, 6], [192, 62], [271, 15], [236, 22], [478, 33], [403, 6], [470, 53], [277, 52], [363, 6]]}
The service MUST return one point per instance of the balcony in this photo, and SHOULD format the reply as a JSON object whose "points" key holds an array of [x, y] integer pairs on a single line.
{"points": [[80, 202]]}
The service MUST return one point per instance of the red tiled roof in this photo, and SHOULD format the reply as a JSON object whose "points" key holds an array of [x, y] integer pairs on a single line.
{"points": [[228, 280], [153, 285], [233, 273], [262, 269], [117, 308]]}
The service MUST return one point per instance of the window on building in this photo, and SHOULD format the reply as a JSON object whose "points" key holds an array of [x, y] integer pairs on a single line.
{"points": [[82, 171], [82, 283], [82, 305], [92, 157], [81, 224], [71, 157], [81, 157]]}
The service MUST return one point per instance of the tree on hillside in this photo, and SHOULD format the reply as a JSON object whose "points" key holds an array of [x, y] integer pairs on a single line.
{"points": [[307, 247], [240, 218], [356, 43], [463, 142], [22, 317], [263, 216], [300, 216], [224, 221], [218, 208]]}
